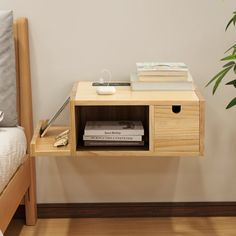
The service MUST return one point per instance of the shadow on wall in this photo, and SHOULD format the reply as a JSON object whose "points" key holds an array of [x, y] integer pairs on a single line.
{"points": [[129, 179]]}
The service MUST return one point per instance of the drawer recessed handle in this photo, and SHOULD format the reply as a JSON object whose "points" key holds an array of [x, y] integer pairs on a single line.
{"points": [[176, 109]]}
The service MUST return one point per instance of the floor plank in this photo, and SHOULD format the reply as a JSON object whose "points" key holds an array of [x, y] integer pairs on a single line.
{"points": [[181, 226]]}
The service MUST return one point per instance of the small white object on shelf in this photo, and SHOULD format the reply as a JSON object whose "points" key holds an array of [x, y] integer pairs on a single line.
{"points": [[106, 90], [62, 139], [61, 142], [63, 134]]}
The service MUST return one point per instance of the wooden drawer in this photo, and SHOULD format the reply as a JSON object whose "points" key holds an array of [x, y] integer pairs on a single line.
{"points": [[176, 128]]}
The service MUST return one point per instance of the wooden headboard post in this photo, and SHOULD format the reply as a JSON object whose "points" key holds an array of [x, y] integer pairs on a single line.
{"points": [[24, 108], [23, 80]]}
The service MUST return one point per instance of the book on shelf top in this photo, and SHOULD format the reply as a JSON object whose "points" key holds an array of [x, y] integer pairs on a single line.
{"points": [[137, 85], [163, 73], [161, 66], [156, 71], [161, 78], [114, 128]]}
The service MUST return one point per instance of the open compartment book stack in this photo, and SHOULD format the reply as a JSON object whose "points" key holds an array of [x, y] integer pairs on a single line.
{"points": [[113, 133]]}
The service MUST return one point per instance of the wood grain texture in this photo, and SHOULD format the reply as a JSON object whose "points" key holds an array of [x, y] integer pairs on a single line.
{"points": [[183, 125], [115, 152], [11, 197], [23, 77], [151, 130], [73, 118], [26, 114], [177, 132], [202, 105], [176, 146], [166, 133], [73, 128], [44, 146], [36, 135], [86, 95], [30, 196], [180, 226]]}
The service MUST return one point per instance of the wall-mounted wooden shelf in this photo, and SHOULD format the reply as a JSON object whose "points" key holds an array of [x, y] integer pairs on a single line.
{"points": [[44, 146], [173, 122]]}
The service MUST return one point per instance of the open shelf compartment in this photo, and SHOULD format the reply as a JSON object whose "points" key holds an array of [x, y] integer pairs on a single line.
{"points": [[111, 113]]}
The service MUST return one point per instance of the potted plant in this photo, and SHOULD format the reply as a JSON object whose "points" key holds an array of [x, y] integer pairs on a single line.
{"points": [[230, 65]]}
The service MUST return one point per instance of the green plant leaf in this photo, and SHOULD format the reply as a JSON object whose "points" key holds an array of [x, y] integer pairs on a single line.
{"points": [[216, 76], [234, 51], [231, 63], [220, 78], [230, 22], [228, 58], [232, 47], [234, 21], [231, 104], [233, 82], [235, 69]]}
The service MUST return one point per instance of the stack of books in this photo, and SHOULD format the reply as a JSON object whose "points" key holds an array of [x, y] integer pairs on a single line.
{"points": [[113, 133], [161, 76]]}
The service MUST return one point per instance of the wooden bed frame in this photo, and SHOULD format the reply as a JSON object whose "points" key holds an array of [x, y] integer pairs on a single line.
{"points": [[22, 185]]}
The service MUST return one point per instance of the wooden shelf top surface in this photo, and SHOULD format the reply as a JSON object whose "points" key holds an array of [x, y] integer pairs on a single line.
{"points": [[44, 146], [85, 94]]}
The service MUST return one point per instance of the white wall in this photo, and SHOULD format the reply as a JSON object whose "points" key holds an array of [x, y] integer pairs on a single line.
{"points": [[74, 40]]}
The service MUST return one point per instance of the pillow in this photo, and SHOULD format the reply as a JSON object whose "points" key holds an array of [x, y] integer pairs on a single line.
{"points": [[7, 70]]}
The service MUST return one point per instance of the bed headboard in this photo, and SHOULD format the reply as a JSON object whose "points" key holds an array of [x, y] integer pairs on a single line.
{"points": [[23, 80]]}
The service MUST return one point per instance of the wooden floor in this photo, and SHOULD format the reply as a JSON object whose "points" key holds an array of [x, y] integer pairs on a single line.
{"points": [[218, 226]]}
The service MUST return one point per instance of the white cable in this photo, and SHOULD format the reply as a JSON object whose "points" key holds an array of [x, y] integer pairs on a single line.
{"points": [[108, 72], [105, 90]]}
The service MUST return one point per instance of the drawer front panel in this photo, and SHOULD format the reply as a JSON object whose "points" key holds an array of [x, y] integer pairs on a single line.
{"points": [[176, 145], [176, 128]]}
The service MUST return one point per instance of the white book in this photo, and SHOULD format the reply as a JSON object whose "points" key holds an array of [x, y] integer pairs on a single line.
{"points": [[158, 73], [112, 138], [158, 78], [114, 128], [161, 67], [113, 143], [137, 85]]}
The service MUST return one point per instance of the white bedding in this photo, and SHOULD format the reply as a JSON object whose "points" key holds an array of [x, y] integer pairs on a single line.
{"points": [[12, 152]]}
